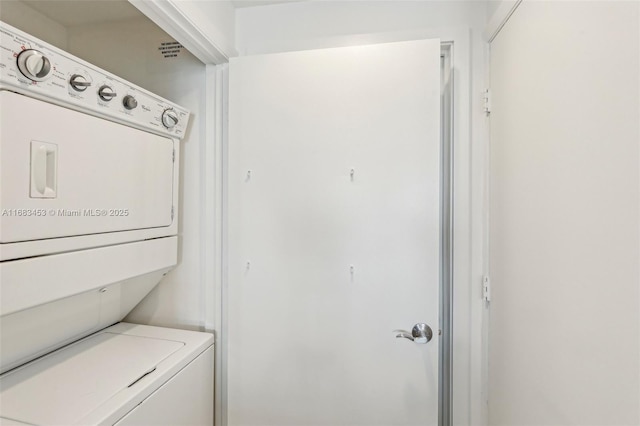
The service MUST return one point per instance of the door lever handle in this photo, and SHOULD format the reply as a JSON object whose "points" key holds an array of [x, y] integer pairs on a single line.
{"points": [[420, 333], [403, 334]]}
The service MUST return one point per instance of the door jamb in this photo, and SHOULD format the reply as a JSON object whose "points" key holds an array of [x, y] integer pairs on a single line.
{"points": [[445, 371]]}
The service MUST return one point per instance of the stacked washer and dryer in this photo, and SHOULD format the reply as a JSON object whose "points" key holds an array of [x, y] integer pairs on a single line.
{"points": [[88, 227]]}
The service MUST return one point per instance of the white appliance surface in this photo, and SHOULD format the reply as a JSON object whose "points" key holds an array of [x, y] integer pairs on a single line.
{"points": [[100, 378], [96, 91], [103, 176], [88, 226], [49, 301], [88, 195], [87, 159], [185, 400]]}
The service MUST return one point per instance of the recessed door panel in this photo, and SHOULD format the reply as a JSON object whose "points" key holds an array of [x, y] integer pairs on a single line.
{"points": [[64, 173]]}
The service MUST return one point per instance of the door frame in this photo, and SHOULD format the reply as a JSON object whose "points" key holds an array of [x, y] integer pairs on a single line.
{"points": [[445, 371], [467, 391], [447, 394]]}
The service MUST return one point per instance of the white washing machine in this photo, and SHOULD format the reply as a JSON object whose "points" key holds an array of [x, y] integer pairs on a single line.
{"points": [[88, 226]]}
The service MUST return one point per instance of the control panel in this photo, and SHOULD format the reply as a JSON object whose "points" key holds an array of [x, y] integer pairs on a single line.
{"points": [[33, 67]]}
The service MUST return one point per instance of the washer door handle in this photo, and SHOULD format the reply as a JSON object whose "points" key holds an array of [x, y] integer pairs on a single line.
{"points": [[44, 174]]}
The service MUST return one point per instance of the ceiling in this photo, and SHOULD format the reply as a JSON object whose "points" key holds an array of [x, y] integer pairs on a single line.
{"points": [[72, 12]]}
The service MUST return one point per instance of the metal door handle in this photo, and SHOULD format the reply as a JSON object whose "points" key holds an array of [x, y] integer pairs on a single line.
{"points": [[420, 333]]}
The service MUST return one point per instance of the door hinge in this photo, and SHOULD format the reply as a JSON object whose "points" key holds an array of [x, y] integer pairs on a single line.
{"points": [[486, 288], [173, 156], [172, 213], [486, 101]]}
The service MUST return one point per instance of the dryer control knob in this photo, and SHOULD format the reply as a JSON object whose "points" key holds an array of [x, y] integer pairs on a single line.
{"points": [[106, 93], [79, 83], [34, 65], [169, 118], [129, 102]]}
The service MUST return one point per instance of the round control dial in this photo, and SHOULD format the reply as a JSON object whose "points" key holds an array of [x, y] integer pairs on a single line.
{"points": [[79, 83], [34, 65], [106, 93], [169, 118], [129, 102]]}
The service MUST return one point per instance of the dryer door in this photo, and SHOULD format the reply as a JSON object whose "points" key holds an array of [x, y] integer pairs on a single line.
{"points": [[64, 173]]}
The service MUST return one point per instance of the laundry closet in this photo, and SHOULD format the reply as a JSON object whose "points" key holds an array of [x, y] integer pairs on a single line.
{"points": [[101, 124]]}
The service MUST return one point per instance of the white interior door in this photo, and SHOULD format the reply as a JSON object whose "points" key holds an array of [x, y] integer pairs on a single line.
{"points": [[334, 181]]}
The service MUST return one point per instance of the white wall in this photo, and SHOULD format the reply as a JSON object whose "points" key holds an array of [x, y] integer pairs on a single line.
{"points": [[492, 7], [565, 197], [129, 49], [318, 24], [25, 18]]}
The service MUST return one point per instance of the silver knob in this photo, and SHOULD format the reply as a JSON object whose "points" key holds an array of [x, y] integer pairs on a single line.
{"points": [[106, 93], [34, 65], [79, 83], [169, 118], [420, 333], [129, 102]]}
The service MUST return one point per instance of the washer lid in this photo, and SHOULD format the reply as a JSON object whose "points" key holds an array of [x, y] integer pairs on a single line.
{"points": [[63, 387]]}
